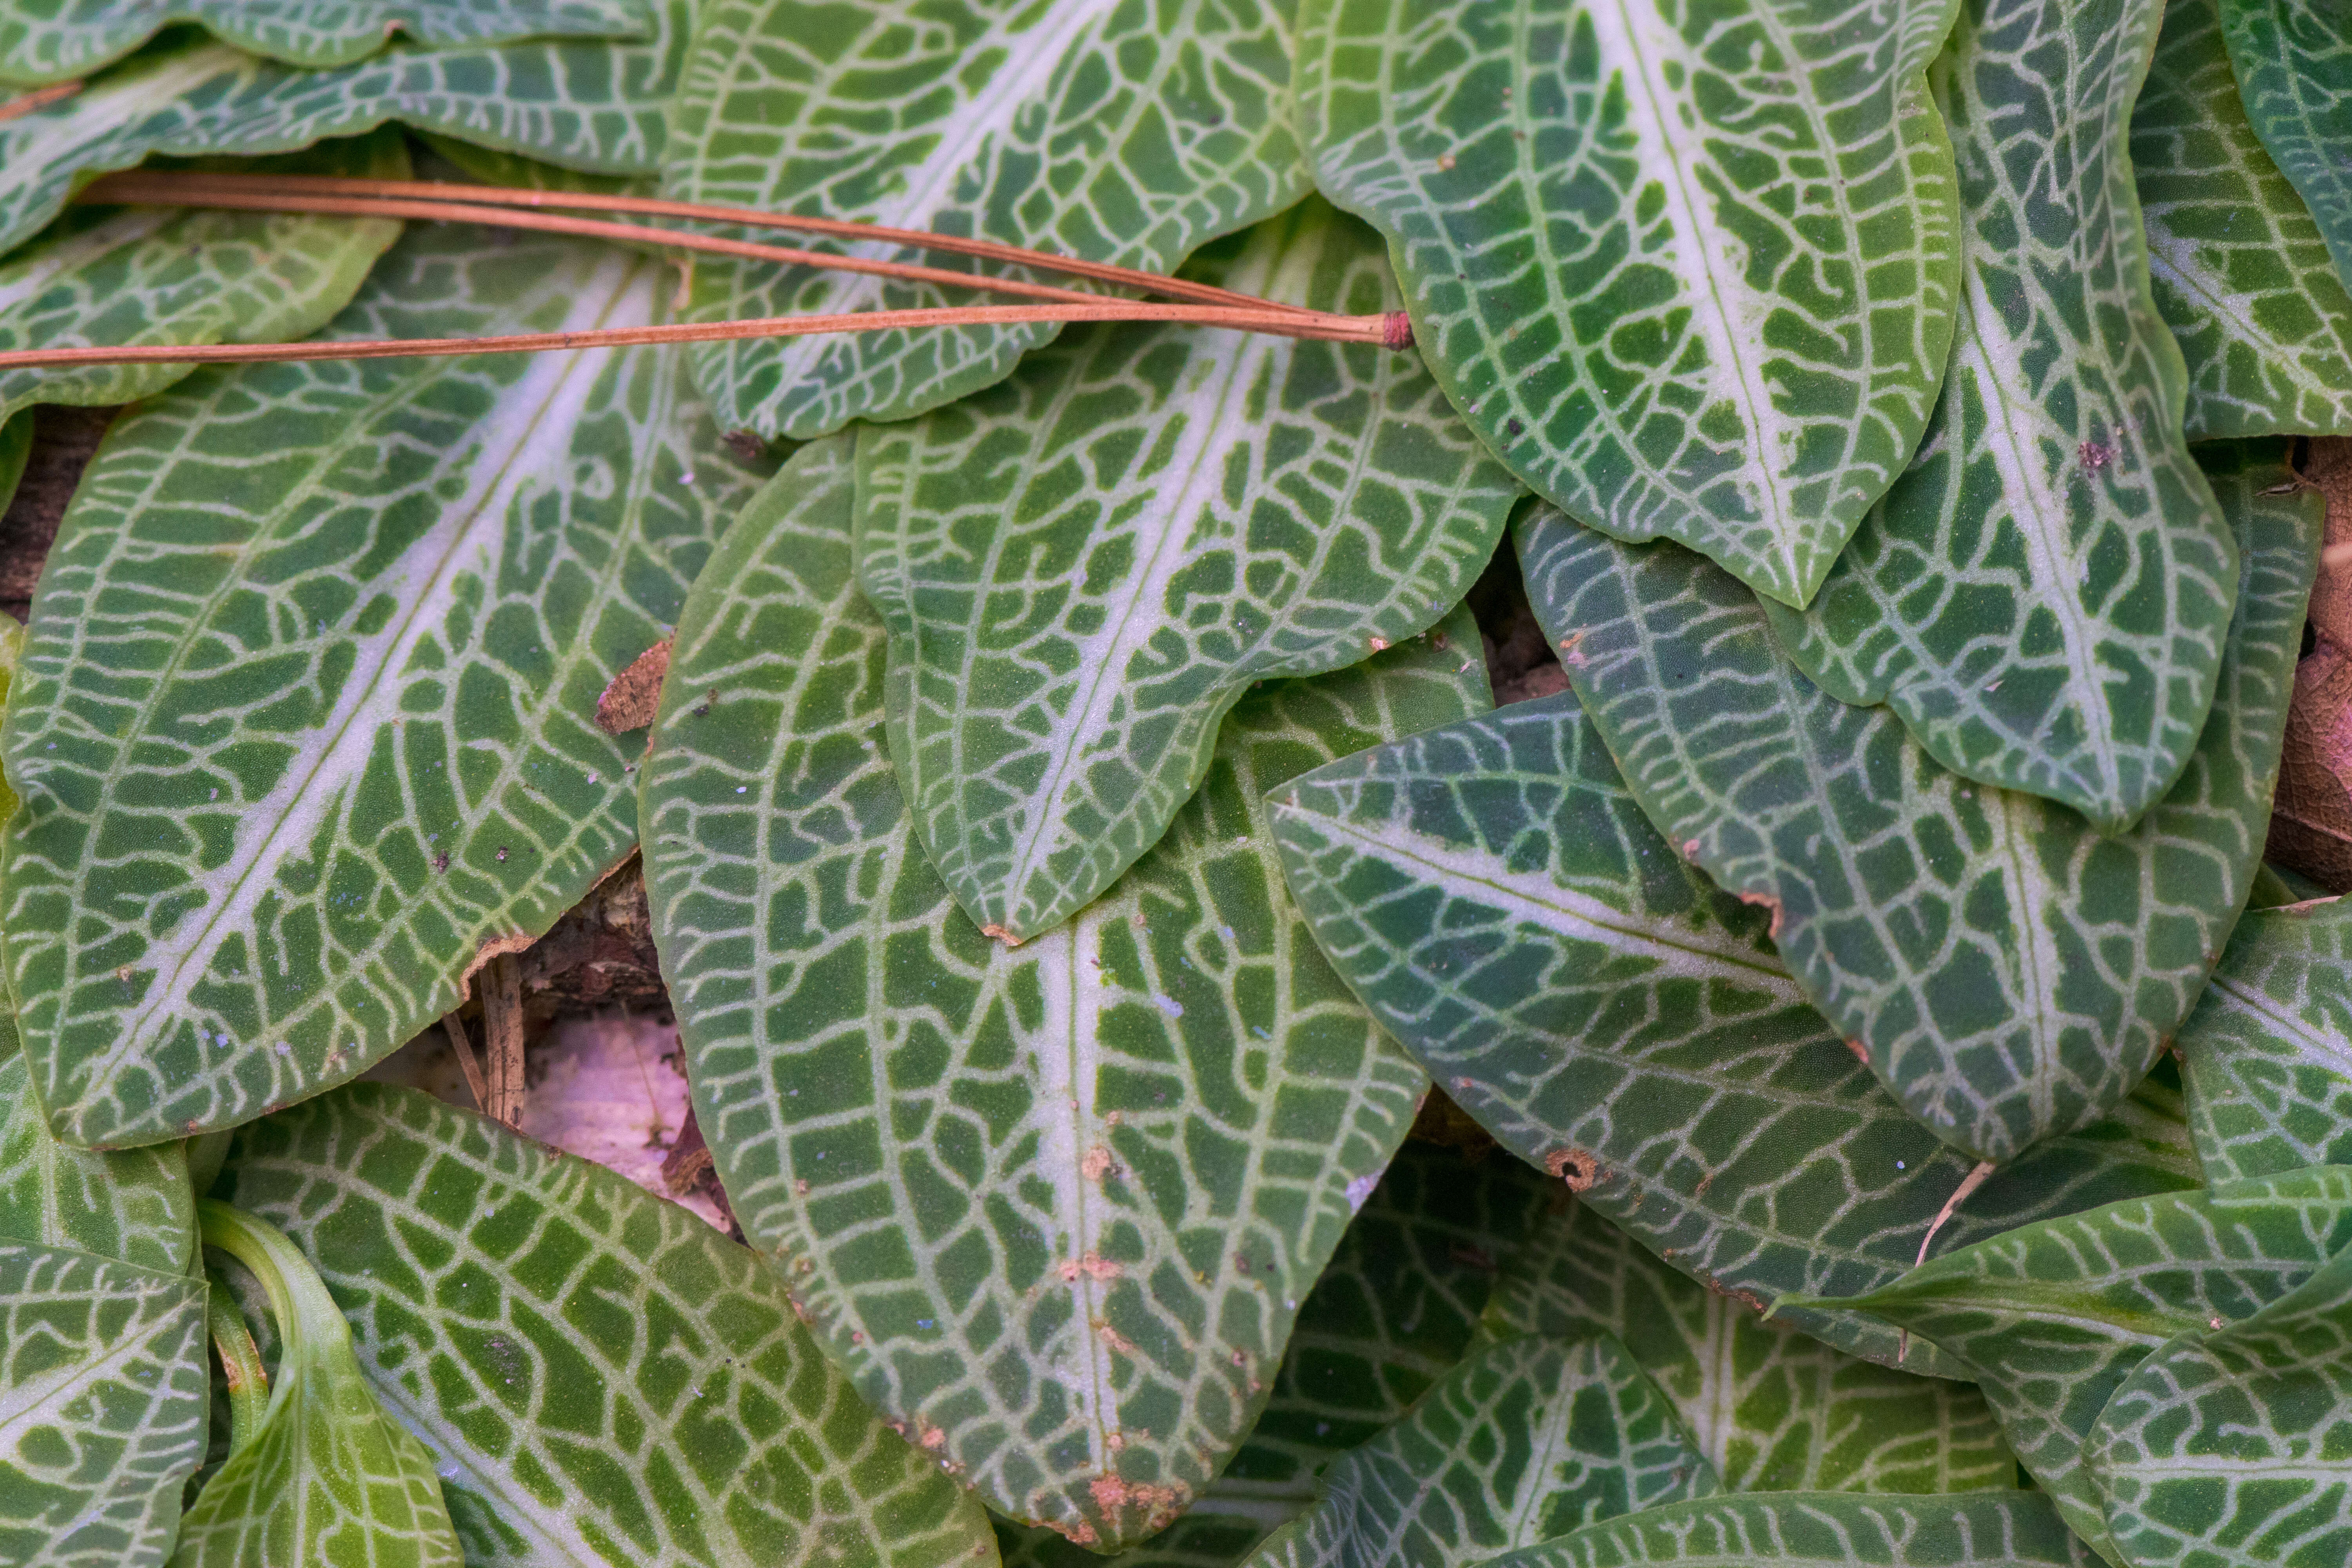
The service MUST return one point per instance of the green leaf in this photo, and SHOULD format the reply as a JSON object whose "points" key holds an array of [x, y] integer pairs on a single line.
{"points": [[1830, 1529], [137, 1206], [305, 721], [591, 106], [328, 1476], [2293, 66], [2265, 1055], [1772, 1409], [2053, 1316], [106, 276], [2008, 972], [15, 447], [2045, 594], [2228, 1448], [2240, 271], [1496, 897], [1052, 1208], [1523, 1442], [1393, 1311], [1117, 131], [1083, 568], [599, 1376], [1689, 272], [102, 1403], [54, 40]]}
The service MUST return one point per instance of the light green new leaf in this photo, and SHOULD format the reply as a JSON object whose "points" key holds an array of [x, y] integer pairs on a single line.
{"points": [[1085, 567], [107, 275], [2293, 60], [593, 106], [1119, 130], [327, 1476], [599, 1376], [2267, 1056], [2044, 595], [102, 1403], [1524, 1441], [1822, 1529], [1772, 1409], [54, 40], [306, 721], [2233, 1448], [2006, 971], [1053, 1208], [1688, 271], [137, 1205], [2052, 1317], [2239, 269], [1494, 894], [1393, 1312]]}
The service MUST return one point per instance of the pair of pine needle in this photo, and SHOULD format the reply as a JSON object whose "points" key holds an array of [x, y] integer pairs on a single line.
{"points": [[555, 212]]}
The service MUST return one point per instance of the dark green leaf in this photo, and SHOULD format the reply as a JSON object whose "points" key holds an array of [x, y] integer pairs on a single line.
{"points": [[2268, 1052], [1831, 1530]]}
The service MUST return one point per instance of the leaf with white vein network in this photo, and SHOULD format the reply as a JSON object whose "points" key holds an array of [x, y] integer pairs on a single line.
{"points": [[2293, 66], [2238, 267], [2267, 1056], [2044, 595], [1117, 131], [55, 40], [586, 105], [136, 1204], [1053, 1208], [1085, 567], [107, 275], [1524, 1441], [599, 1376], [2052, 1317], [2008, 972], [103, 1405], [1690, 271], [1392, 1312], [305, 716], [1822, 1529], [327, 1474], [1772, 1409], [2233, 1448], [1495, 895]]}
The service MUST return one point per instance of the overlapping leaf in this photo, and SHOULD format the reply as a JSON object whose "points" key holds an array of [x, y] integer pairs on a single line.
{"points": [[1524, 1441], [1055, 1208], [599, 1375], [326, 1476], [1117, 131], [102, 1403], [2239, 269], [137, 1205], [1772, 1409], [164, 275], [1830, 1529], [2294, 65], [2229, 1448], [2268, 1052], [1690, 271], [305, 724], [55, 40], [586, 105], [1083, 568], [1495, 895], [2052, 1317], [2006, 971], [2044, 595], [15, 449]]}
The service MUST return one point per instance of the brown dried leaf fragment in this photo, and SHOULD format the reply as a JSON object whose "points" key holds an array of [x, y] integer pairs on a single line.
{"points": [[629, 702], [2311, 818]]}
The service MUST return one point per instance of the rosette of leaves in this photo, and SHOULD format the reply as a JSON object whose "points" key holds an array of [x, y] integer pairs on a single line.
{"points": [[1689, 272], [1085, 567], [351, 751], [1055, 1208], [2008, 970]]}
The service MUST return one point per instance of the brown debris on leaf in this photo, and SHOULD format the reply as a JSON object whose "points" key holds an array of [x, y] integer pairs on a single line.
{"points": [[628, 703], [2311, 819]]}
